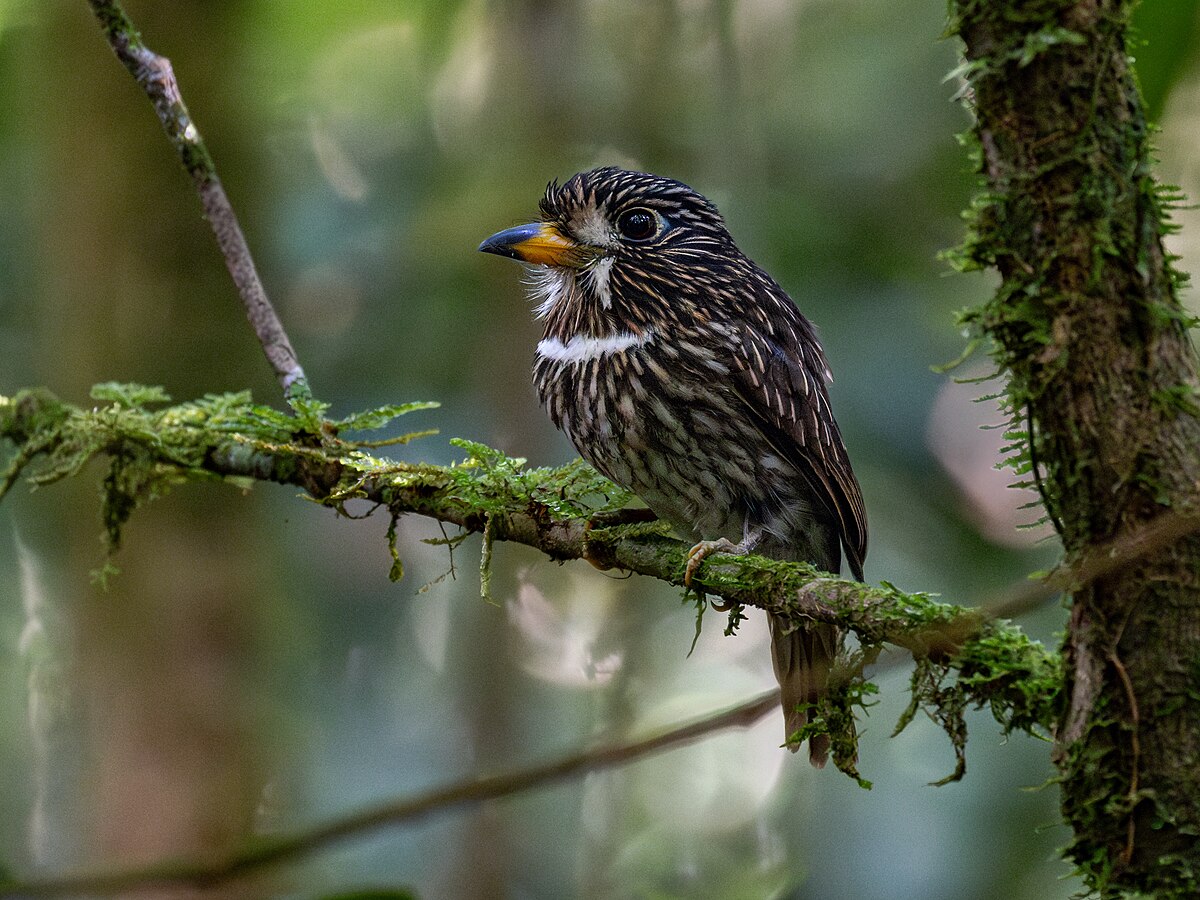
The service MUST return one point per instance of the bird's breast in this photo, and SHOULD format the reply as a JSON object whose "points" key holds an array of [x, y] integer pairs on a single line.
{"points": [[657, 417], [582, 348]]}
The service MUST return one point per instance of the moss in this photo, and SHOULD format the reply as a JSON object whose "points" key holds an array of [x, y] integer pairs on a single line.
{"points": [[999, 668], [836, 714], [1101, 387], [151, 449], [494, 482]]}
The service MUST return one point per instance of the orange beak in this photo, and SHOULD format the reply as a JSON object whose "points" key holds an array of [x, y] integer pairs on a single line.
{"points": [[538, 242]]}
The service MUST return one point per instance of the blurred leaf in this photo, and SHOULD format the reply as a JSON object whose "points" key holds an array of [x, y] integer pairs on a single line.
{"points": [[1167, 40]]}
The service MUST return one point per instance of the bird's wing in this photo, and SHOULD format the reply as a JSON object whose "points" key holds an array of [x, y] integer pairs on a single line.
{"points": [[780, 373]]}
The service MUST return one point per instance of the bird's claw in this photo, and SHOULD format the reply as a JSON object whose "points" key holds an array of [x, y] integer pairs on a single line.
{"points": [[697, 554]]}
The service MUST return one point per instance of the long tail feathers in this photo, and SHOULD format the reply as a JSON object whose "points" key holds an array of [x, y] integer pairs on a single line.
{"points": [[802, 661]]}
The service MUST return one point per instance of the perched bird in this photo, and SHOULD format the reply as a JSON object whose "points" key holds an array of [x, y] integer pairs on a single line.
{"points": [[683, 372]]}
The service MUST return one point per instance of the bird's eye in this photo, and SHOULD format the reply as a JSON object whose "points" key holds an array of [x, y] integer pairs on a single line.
{"points": [[638, 224]]}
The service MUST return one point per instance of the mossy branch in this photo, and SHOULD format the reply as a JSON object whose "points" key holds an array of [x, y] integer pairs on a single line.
{"points": [[966, 657], [559, 511], [554, 510]]}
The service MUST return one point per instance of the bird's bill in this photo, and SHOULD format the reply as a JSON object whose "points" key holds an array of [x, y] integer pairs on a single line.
{"points": [[538, 242]]}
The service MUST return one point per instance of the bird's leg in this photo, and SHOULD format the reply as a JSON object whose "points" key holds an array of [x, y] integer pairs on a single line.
{"points": [[751, 538]]}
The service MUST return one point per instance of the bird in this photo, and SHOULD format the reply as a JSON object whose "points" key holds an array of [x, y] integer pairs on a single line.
{"points": [[683, 372]]}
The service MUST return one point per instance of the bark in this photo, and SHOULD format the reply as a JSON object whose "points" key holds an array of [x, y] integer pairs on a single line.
{"points": [[1102, 369]]}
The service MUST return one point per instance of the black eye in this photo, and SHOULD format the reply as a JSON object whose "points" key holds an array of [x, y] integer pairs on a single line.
{"points": [[638, 224]]}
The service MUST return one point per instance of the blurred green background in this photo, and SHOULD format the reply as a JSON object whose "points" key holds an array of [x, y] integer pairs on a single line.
{"points": [[252, 667]]}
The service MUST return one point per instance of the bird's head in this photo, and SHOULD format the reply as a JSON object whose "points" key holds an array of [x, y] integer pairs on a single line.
{"points": [[620, 246]]}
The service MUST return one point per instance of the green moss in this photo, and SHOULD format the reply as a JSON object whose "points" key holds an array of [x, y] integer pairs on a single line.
{"points": [[495, 483], [151, 449], [836, 714], [1101, 393]]}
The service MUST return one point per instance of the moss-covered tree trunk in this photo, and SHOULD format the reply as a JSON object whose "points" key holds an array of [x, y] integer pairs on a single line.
{"points": [[1102, 369]]}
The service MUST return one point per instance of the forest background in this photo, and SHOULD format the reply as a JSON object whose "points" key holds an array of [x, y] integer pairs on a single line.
{"points": [[252, 663]]}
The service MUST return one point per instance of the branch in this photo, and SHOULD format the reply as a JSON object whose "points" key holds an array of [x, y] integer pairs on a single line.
{"points": [[281, 848], [558, 511], [156, 77], [553, 510], [1100, 562]]}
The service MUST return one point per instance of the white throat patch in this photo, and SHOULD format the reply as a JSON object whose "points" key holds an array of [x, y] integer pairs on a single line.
{"points": [[581, 348], [549, 285], [598, 276]]}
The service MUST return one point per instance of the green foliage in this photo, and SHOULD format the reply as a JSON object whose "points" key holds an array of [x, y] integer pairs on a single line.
{"points": [[493, 483], [836, 713], [485, 561], [1001, 668], [380, 417], [1013, 674], [963, 659], [308, 410], [396, 572], [1022, 52], [129, 396]]}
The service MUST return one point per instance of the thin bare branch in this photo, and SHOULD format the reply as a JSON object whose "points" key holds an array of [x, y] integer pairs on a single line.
{"points": [[280, 848], [156, 77], [1146, 540]]}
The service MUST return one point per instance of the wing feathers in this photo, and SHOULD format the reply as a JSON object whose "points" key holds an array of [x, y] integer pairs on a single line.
{"points": [[781, 374]]}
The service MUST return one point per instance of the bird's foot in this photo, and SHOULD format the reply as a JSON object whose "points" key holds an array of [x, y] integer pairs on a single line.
{"points": [[697, 554]]}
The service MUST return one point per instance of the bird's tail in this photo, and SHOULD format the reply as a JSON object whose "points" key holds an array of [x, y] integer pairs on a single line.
{"points": [[802, 661]]}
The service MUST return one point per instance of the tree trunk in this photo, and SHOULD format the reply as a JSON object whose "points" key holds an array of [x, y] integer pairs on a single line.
{"points": [[1103, 375]]}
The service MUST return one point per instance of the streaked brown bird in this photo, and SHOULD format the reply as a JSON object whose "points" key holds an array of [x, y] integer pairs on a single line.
{"points": [[683, 372]]}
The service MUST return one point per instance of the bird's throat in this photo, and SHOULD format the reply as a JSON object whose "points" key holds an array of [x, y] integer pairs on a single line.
{"points": [[579, 302]]}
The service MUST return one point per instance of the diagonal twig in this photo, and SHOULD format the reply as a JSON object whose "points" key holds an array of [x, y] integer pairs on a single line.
{"points": [[156, 77], [1097, 563], [281, 848]]}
